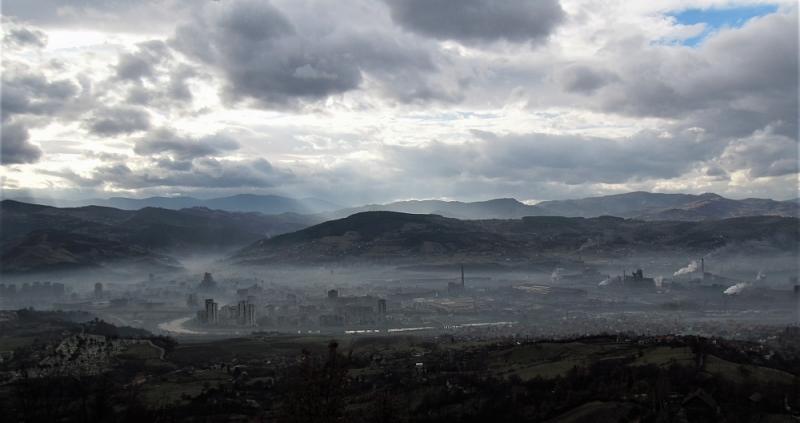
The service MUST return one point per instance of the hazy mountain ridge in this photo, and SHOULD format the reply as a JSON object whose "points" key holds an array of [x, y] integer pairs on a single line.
{"points": [[640, 205], [42, 251], [87, 236], [672, 221], [266, 204], [397, 236]]}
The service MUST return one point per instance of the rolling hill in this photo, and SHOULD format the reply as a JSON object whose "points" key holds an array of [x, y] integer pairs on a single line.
{"points": [[393, 236], [45, 251], [639, 205], [266, 204], [36, 237]]}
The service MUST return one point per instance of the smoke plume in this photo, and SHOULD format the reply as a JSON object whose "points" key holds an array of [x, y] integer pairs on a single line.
{"points": [[690, 268], [736, 289]]}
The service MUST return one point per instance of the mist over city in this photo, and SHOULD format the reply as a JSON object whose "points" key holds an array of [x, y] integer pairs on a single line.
{"points": [[399, 211]]}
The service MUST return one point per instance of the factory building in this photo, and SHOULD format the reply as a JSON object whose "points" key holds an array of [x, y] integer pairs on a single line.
{"points": [[210, 314]]}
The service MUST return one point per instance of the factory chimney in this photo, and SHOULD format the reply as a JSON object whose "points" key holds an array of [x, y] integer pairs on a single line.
{"points": [[462, 276], [703, 265]]}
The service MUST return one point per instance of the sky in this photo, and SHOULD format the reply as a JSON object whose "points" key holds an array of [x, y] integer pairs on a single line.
{"points": [[374, 101]]}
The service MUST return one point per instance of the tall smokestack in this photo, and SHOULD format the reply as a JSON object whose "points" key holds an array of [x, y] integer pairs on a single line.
{"points": [[703, 265], [462, 275]]}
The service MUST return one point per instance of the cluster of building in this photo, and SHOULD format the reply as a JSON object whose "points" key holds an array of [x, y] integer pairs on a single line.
{"points": [[241, 314], [256, 306]]}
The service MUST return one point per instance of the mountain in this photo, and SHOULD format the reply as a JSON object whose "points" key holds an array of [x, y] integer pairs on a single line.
{"points": [[378, 235], [44, 251], [399, 237], [266, 204], [36, 236], [501, 208], [639, 205]]}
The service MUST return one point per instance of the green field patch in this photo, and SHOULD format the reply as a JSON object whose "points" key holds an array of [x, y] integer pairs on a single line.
{"points": [[550, 360], [164, 391], [140, 351], [596, 411], [243, 349], [10, 343], [665, 356], [747, 373]]}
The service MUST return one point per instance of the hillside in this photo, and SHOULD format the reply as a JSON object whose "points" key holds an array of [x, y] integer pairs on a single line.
{"points": [[392, 236], [595, 378], [380, 235], [44, 251], [501, 208], [36, 237], [639, 205]]}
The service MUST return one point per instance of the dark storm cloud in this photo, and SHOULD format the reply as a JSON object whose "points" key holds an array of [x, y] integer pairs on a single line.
{"points": [[479, 20], [198, 173], [15, 147], [28, 92], [28, 95], [141, 64], [167, 142], [178, 89], [765, 154], [118, 120], [565, 159], [155, 76], [736, 82], [265, 56], [585, 79], [25, 37], [262, 57]]}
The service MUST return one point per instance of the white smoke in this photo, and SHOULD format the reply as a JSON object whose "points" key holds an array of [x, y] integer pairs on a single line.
{"points": [[556, 275], [659, 281], [736, 289], [690, 268], [605, 282], [761, 275]]}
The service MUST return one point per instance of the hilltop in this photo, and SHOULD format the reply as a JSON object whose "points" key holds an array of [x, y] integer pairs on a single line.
{"points": [[40, 238], [392, 236], [639, 205]]}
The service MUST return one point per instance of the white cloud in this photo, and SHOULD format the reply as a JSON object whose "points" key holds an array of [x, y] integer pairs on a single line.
{"points": [[374, 102]]}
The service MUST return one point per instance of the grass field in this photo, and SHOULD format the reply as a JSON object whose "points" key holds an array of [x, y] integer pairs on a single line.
{"points": [[550, 360], [666, 356], [251, 348], [10, 343], [595, 411], [746, 373], [173, 388]]}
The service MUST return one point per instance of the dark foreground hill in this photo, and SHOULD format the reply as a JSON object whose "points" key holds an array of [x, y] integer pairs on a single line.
{"points": [[56, 370], [391, 236], [38, 238], [639, 205]]}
